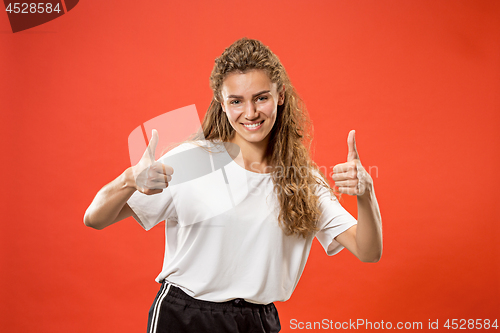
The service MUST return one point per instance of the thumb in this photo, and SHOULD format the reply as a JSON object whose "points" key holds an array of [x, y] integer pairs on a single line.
{"points": [[152, 145], [351, 144]]}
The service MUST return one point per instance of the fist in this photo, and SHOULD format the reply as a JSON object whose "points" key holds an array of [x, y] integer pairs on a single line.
{"points": [[350, 177], [150, 176]]}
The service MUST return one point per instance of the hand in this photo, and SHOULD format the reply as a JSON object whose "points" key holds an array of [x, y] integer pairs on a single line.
{"points": [[350, 177], [151, 177]]}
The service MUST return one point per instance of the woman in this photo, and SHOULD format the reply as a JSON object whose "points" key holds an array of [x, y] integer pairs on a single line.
{"points": [[222, 272]]}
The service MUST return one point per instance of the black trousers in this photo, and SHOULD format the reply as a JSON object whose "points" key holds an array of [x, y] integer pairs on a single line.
{"points": [[173, 311]]}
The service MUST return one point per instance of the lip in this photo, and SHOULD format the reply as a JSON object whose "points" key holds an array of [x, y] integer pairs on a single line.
{"points": [[253, 128]]}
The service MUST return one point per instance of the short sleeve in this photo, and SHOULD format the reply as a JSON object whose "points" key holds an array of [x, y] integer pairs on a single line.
{"points": [[333, 221], [152, 209]]}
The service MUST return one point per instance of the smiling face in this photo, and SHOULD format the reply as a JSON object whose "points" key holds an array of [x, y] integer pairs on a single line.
{"points": [[250, 101]]}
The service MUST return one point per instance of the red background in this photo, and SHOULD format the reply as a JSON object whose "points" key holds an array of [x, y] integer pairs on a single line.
{"points": [[418, 80]]}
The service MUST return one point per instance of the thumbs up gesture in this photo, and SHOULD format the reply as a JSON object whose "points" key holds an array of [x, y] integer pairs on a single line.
{"points": [[150, 176], [350, 177]]}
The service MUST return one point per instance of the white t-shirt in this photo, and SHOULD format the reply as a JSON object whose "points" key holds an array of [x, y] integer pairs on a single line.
{"points": [[223, 240]]}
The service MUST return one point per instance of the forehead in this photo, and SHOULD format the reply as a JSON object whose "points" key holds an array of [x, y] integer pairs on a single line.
{"points": [[247, 83]]}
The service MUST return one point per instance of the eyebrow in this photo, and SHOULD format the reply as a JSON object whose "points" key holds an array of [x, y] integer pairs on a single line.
{"points": [[254, 95]]}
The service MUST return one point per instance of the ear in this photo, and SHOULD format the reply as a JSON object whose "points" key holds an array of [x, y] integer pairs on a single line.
{"points": [[222, 106], [281, 98]]}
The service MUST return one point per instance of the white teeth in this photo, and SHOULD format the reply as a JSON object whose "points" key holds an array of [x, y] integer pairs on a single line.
{"points": [[253, 125]]}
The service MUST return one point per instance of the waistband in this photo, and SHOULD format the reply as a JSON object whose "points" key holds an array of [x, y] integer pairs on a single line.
{"points": [[237, 303]]}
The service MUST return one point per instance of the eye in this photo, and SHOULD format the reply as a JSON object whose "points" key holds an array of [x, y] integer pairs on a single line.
{"points": [[262, 98], [235, 102]]}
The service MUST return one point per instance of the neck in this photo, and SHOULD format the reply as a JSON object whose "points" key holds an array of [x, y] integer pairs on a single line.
{"points": [[252, 155]]}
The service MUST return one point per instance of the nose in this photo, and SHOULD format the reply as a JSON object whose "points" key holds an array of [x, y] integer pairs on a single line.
{"points": [[251, 112]]}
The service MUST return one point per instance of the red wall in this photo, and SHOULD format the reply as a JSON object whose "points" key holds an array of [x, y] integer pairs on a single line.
{"points": [[418, 80]]}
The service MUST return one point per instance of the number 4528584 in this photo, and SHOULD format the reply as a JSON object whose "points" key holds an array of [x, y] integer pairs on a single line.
{"points": [[463, 324], [32, 8]]}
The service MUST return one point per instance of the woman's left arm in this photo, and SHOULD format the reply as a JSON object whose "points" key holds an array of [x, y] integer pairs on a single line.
{"points": [[364, 240]]}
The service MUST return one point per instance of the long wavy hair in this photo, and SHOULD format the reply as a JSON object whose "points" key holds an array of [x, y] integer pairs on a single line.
{"points": [[294, 175]]}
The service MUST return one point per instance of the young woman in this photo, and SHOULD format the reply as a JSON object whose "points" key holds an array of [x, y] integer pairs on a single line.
{"points": [[222, 272]]}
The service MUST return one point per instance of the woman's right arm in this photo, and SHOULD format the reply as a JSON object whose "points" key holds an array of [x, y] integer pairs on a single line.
{"points": [[110, 203]]}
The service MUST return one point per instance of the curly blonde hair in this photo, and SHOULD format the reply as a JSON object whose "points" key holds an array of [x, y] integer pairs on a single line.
{"points": [[287, 152]]}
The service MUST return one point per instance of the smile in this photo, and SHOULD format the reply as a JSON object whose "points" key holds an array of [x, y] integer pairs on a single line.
{"points": [[253, 126]]}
